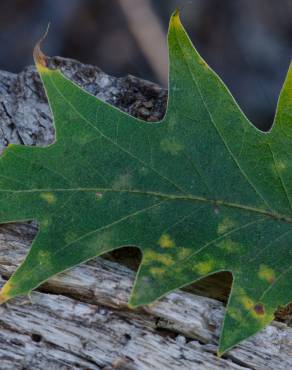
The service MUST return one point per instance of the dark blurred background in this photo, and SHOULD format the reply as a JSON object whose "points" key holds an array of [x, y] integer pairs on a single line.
{"points": [[248, 42]]}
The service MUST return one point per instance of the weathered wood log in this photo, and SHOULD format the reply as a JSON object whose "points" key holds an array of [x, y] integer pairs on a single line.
{"points": [[80, 319]]}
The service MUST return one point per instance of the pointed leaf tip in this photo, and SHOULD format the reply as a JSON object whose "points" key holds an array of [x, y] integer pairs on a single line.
{"points": [[2, 299], [40, 58], [221, 350], [223, 347], [4, 296], [175, 19], [132, 304], [176, 12]]}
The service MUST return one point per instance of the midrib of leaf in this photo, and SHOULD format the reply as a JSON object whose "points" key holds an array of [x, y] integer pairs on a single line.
{"points": [[174, 196], [186, 196], [170, 197], [166, 196]]}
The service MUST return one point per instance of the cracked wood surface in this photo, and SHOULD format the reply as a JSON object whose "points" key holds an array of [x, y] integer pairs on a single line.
{"points": [[80, 319]]}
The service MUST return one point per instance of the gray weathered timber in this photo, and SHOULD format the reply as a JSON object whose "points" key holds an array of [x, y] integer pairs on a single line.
{"points": [[80, 319]]}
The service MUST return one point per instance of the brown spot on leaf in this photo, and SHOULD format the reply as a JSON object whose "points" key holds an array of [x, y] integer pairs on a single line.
{"points": [[266, 273], [259, 309]]}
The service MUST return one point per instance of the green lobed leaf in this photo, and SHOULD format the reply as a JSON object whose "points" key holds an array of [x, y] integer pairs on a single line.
{"points": [[199, 192]]}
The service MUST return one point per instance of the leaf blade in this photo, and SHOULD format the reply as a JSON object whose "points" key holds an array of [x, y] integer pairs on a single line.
{"points": [[202, 194]]}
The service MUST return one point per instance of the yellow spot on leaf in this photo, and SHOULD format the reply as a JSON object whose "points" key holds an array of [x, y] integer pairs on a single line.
{"points": [[45, 223], [229, 245], [266, 273], [48, 197], [281, 166], [151, 256], [4, 293], [203, 268], [165, 241], [171, 146], [225, 225], [246, 301], [183, 253], [234, 313], [258, 312], [157, 271], [166, 260]]}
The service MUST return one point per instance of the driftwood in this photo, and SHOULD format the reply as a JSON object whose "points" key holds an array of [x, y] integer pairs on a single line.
{"points": [[80, 319]]}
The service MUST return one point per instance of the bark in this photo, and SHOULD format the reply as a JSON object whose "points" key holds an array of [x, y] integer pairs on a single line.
{"points": [[80, 319]]}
